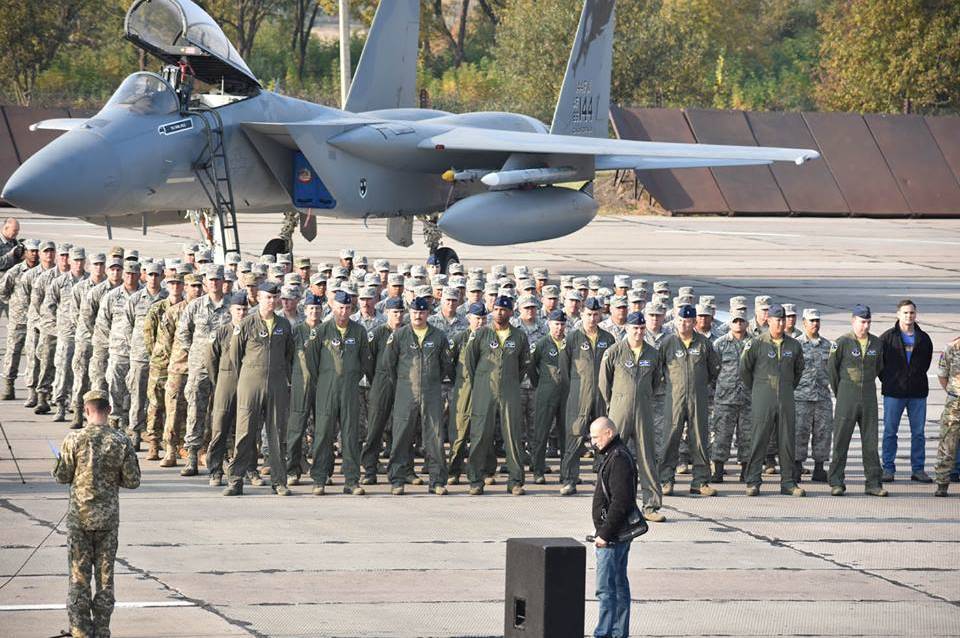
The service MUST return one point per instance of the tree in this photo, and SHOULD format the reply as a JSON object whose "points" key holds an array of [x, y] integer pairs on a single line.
{"points": [[890, 55], [31, 36], [244, 18]]}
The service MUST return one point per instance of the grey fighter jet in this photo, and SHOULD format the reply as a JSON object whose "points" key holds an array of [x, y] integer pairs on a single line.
{"points": [[203, 135]]}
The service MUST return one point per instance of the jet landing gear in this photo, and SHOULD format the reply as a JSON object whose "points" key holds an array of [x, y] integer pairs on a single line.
{"points": [[432, 237], [284, 242]]}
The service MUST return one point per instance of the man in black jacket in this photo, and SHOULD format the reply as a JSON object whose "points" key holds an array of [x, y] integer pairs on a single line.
{"points": [[907, 353], [613, 499]]}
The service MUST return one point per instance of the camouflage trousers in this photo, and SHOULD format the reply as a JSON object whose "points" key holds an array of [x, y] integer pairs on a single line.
{"points": [[198, 391], [729, 421], [63, 365], [46, 353], [528, 420], [364, 411], [82, 350], [137, 377], [30, 353], [175, 422], [814, 418], [16, 339], [117, 368], [156, 405], [949, 436], [91, 556], [97, 370]]}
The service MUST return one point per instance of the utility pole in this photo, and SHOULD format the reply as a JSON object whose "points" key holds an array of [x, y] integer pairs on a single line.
{"points": [[344, 51]]}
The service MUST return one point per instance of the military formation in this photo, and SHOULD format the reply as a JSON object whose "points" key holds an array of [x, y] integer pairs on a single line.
{"points": [[283, 372]]}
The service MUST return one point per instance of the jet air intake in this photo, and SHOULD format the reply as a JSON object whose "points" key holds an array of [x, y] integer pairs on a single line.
{"points": [[501, 218]]}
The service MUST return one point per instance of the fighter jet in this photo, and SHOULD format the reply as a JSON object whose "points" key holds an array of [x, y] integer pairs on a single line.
{"points": [[204, 135]]}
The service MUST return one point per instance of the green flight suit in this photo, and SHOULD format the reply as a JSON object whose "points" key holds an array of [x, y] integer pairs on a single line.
{"points": [[853, 372], [458, 426], [379, 403], [687, 374], [772, 374], [263, 358], [495, 371], [627, 384], [337, 362], [223, 416], [552, 382], [581, 358], [417, 370], [302, 396]]}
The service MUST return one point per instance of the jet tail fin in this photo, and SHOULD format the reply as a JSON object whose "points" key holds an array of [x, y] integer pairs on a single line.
{"points": [[386, 76], [584, 102]]}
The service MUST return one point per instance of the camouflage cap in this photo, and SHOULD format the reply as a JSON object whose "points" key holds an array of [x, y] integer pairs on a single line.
{"points": [[324, 267], [132, 255], [347, 253], [594, 281], [117, 251], [619, 301], [173, 278], [635, 296], [98, 258], [188, 249], [213, 271], [811, 314], [603, 291], [368, 293], [381, 265], [528, 301], [371, 279], [232, 258], [685, 291], [204, 256], [245, 266], [31, 244], [621, 281], [506, 292], [498, 270], [450, 292], [249, 279], [638, 284], [458, 281], [526, 284], [290, 292], [302, 262], [347, 287], [395, 279], [653, 308], [404, 268], [340, 272], [154, 269], [284, 258], [573, 295], [473, 285], [192, 279], [740, 312], [762, 302], [490, 288], [438, 281], [131, 267], [77, 253], [704, 310], [64, 248], [661, 286], [709, 300], [550, 292], [229, 275], [95, 395], [455, 268], [566, 281], [268, 259], [47, 245], [580, 283], [541, 273], [361, 261], [790, 310], [423, 291], [418, 271], [317, 279], [738, 302]]}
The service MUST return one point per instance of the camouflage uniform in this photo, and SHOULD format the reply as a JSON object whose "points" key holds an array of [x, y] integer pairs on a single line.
{"points": [[26, 284], [47, 326], [93, 518], [814, 405], [135, 315], [175, 411], [459, 324], [949, 368], [112, 317], [86, 298], [619, 332], [19, 298], [369, 324], [528, 402], [61, 303], [731, 411], [156, 342], [195, 329], [100, 340]]}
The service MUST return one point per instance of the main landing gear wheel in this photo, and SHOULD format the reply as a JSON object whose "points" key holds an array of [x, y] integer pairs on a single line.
{"points": [[445, 256], [275, 246]]}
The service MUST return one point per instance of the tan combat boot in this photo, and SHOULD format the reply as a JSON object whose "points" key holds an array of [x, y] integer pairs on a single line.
{"points": [[170, 457], [153, 451]]}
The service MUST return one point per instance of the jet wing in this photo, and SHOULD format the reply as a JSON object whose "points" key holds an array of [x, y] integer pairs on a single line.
{"points": [[613, 154], [59, 124]]}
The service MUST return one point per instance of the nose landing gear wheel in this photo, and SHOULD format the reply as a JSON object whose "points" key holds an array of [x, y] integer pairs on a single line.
{"points": [[445, 256]]}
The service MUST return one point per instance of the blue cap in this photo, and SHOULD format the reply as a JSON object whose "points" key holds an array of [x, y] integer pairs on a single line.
{"points": [[503, 301], [636, 319], [239, 299], [393, 303], [777, 311], [592, 303], [477, 309], [432, 260], [557, 315], [419, 303], [861, 311], [688, 312], [269, 287], [313, 299], [342, 296]]}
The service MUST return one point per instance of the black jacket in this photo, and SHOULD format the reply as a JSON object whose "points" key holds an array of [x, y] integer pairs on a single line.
{"points": [[618, 471], [897, 378]]}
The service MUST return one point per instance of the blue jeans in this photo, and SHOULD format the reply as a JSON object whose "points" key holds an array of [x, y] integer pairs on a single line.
{"points": [[917, 415], [613, 591]]}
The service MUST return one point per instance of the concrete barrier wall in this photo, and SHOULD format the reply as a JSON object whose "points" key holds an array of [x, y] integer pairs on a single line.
{"points": [[872, 165]]}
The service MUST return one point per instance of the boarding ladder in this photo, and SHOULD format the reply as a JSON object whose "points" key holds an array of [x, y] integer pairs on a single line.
{"points": [[213, 172]]}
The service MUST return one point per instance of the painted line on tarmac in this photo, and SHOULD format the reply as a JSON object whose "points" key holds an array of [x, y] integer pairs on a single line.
{"points": [[130, 605]]}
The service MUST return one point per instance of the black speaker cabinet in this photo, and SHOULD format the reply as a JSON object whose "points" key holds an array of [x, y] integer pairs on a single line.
{"points": [[545, 588]]}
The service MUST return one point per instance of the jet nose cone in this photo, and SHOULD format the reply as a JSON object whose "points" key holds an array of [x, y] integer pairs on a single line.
{"points": [[76, 174]]}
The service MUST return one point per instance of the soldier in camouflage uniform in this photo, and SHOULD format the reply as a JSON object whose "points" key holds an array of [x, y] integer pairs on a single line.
{"points": [[86, 297], [47, 326], [135, 315], [195, 328], [157, 342], [27, 283], [60, 303], [113, 320], [100, 339], [616, 323], [175, 409], [948, 372], [731, 410], [11, 292], [812, 396], [95, 461]]}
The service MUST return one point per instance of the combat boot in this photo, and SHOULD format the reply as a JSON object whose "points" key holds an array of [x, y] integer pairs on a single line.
{"points": [[668, 488], [654, 516], [717, 472], [153, 451], [170, 457], [61, 415], [743, 473], [216, 480], [397, 490], [43, 403], [8, 391], [793, 491], [234, 489], [770, 465], [753, 490], [568, 489], [76, 422], [190, 469], [683, 469], [440, 490], [797, 470], [31, 401], [941, 489], [875, 491], [819, 474], [704, 490], [135, 439], [281, 490]]}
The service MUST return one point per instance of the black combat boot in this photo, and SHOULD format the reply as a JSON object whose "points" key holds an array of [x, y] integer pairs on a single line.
{"points": [[743, 473], [819, 474], [797, 470], [717, 476]]}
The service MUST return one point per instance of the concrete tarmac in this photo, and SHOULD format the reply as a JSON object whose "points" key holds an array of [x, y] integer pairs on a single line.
{"points": [[194, 563]]}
